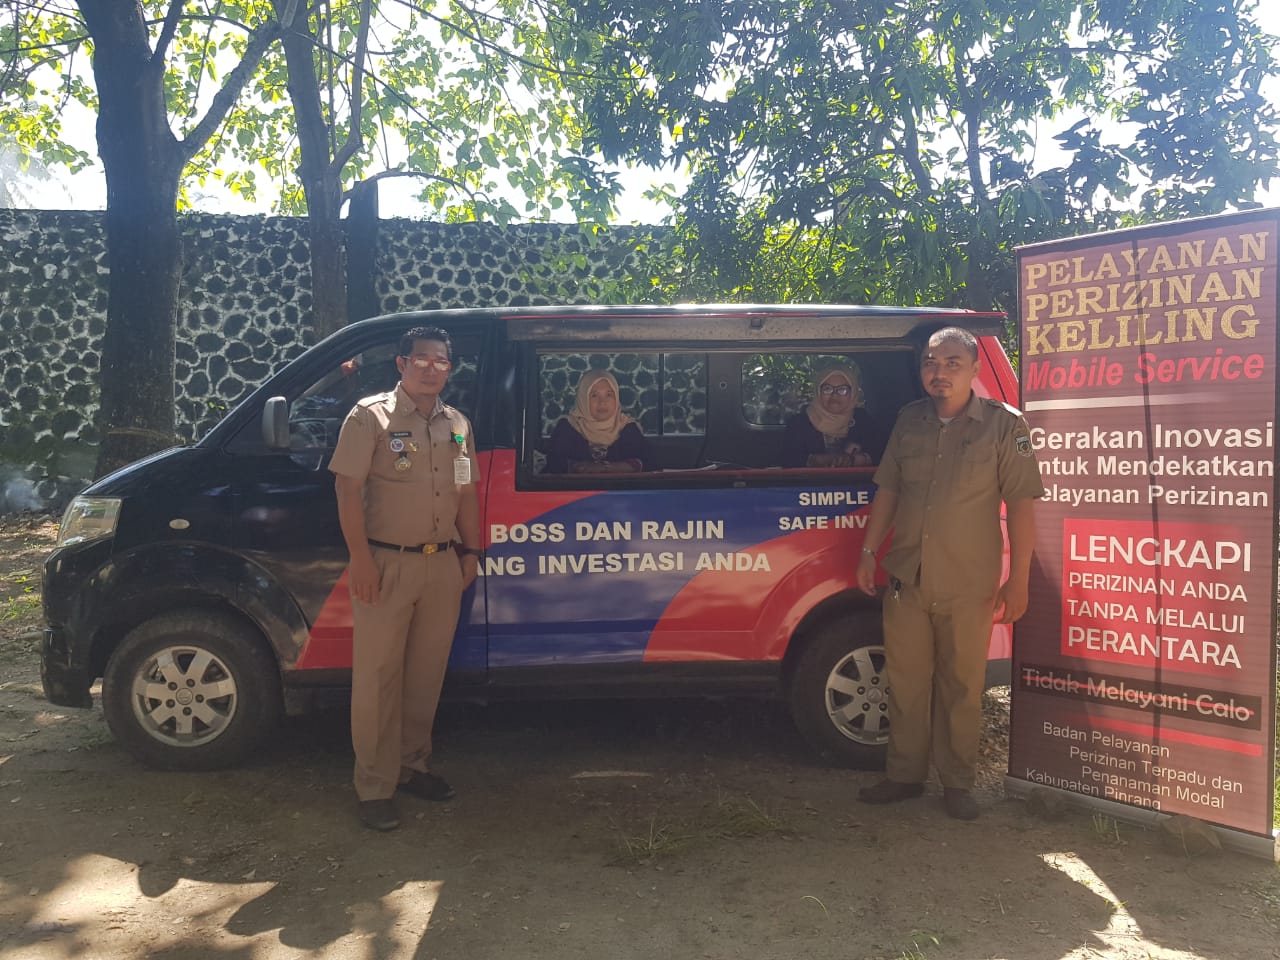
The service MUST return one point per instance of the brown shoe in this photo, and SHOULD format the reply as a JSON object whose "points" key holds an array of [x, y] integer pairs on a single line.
{"points": [[890, 791], [379, 815], [960, 803]]}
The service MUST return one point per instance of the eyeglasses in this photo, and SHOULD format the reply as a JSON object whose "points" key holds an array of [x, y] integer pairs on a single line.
{"points": [[827, 389], [438, 364]]}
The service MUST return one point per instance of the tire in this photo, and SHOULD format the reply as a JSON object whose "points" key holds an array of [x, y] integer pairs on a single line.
{"points": [[838, 693], [225, 686]]}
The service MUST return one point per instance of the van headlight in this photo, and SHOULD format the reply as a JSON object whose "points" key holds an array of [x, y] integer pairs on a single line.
{"points": [[89, 518]]}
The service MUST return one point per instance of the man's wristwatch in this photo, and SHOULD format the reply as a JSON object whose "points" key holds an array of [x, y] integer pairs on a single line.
{"points": [[868, 551]]}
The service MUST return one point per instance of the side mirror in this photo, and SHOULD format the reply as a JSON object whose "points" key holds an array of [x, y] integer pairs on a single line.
{"points": [[275, 423]]}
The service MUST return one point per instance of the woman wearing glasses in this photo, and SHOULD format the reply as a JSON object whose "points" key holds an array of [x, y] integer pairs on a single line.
{"points": [[597, 437], [826, 433]]}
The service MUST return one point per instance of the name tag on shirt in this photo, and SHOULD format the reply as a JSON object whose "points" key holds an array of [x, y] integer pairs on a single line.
{"points": [[461, 470]]}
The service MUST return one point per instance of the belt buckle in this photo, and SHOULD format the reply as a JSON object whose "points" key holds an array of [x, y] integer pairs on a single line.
{"points": [[429, 548]]}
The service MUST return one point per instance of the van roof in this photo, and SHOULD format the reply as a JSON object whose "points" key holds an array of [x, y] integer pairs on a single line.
{"points": [[721, 322]]}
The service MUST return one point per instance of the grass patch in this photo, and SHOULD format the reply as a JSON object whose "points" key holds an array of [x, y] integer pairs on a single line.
{"points": [[1107, 829], [727, 818], [21, 607], [920, 942]]}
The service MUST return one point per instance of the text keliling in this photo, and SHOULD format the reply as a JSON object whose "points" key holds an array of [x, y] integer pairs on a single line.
{"points": [[1197, 290]]}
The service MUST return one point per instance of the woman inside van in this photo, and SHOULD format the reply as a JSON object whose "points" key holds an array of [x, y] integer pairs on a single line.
{"points": [[597, 437], [827, 433]]}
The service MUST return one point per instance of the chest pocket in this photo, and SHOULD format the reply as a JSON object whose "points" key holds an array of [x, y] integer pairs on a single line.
{"points": [[977, 461], [916, 456]]}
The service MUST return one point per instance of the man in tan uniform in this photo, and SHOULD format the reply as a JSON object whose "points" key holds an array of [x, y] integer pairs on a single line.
{"points": [[952, 459], [406, 483]]}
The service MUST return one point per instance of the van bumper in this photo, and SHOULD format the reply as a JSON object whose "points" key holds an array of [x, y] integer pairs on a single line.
{"points": [[64, 684]]}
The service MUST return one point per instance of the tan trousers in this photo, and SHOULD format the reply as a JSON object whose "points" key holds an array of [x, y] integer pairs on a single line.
{"points": [[936, 659], [398, 658]]}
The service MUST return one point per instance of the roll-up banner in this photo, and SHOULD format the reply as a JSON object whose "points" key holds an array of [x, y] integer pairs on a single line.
{"points": [[1144, 672]]}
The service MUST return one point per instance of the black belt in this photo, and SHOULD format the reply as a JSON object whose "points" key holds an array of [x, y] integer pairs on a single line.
{"points": [[425, 548]]}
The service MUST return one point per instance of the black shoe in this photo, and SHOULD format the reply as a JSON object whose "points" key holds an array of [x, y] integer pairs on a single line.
{"points": [[890, 791], [960, 803], [427, 786], [379, 815]]}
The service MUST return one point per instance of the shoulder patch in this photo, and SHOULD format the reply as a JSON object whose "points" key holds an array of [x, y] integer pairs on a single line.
{"points": [[1023, 445]]}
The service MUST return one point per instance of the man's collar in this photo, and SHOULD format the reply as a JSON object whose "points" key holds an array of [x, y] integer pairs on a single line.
{"points": [[405, 404], [973, 409]]}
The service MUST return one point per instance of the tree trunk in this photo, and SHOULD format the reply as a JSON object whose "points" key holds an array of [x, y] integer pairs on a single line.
{"points": [[144, 249], [361, 238], [328, 264], [321, 183]]}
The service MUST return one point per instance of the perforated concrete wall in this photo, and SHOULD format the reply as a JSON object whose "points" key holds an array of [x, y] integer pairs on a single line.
{"points": [[245, 311]]}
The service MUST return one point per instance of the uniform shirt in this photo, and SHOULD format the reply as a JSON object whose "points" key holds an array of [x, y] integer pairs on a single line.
{"points": [[950, 480], [418, 504]]}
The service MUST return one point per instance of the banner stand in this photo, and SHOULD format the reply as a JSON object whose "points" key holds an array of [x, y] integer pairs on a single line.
{"points": [[1144, 669], [1233, 840]]}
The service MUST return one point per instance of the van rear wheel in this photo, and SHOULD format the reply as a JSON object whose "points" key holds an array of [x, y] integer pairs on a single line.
{"points": [[191, 691], [839, 694]]}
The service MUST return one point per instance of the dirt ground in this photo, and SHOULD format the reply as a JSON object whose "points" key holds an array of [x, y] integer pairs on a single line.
{"points": [[619, 830]]}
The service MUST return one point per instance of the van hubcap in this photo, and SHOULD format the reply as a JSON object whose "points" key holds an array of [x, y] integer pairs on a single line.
{"points": [[858, 696], [184, 696]]}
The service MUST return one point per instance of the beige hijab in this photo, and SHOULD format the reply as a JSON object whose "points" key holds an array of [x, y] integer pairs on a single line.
{"points": [[826, 423], [599, 432]]}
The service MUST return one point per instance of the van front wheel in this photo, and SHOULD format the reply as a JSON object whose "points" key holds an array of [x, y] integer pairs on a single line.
{"points": [[839, 695], [191, 691]]}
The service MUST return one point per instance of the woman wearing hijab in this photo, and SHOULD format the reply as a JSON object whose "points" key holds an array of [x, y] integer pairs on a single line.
{"points": [[826, 434], [597, 437]]}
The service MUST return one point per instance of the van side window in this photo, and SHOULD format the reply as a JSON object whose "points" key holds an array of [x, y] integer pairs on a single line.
{"points": [[776, 386], [316, 416], [636, 373], [665, 393], [684, 394]]}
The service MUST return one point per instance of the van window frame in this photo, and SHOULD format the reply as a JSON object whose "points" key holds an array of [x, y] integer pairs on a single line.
{"points": [[301, 374], [719, 402]]}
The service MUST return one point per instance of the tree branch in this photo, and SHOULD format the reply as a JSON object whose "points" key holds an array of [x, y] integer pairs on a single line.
{"points": [[261, 38], [392, 174], [355, 136], [169, 28], [490, 45]]}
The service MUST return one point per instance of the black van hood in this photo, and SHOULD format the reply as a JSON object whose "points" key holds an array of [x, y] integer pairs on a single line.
{"points": [[145, 474]]}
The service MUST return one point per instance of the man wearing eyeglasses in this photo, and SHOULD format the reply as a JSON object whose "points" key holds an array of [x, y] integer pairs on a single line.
{"points": [[405, 476], [952, 459]]}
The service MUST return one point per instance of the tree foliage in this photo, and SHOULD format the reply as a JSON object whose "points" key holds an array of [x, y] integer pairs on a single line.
{"points": [[140, 93], [898, 150], [469, 98], [465, 98]]}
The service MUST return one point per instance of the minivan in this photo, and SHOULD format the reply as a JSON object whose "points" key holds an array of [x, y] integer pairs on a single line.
{"points": [[206, 584]]}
